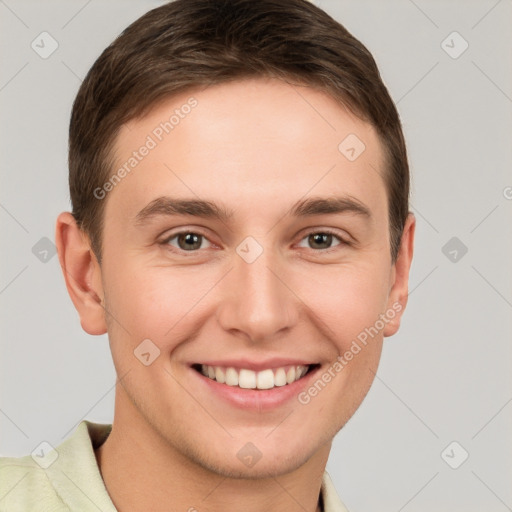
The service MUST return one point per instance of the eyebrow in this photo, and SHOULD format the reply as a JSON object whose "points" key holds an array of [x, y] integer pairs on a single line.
{"points": [[167, 206]]}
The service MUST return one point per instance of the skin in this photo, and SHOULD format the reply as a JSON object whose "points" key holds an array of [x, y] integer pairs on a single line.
{"points": [[256, 147]]}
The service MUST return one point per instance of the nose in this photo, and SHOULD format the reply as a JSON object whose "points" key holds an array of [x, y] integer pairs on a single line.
{"points": [[256, 301]]}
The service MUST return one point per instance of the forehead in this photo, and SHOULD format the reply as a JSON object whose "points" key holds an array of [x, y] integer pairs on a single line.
{"points": [[252, 144]]}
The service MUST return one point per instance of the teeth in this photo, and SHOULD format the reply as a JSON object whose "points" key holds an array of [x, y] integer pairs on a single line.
{"points": [[231, 377], [280, 377], [249, 379], [265, 379], [219, 375]]}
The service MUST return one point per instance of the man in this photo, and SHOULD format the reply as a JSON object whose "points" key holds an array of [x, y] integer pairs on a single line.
{"points": [[241, 230]]}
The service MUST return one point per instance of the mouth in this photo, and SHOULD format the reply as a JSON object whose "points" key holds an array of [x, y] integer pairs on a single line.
{"points": [[265, 379]]}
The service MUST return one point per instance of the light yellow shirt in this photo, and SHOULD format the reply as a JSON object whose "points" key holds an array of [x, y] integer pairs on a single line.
{"points": [[72, 481]]}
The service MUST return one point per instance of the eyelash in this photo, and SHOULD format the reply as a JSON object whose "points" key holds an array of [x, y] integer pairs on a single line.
{"points": [[342, 241]]}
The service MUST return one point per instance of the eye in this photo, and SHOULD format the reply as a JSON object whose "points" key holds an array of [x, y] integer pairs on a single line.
{"points": [[191, 241], [186, 240], [322, 240]]}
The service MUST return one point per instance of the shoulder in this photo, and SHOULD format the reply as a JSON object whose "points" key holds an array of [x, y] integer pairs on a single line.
{"points": [[25, 486], [57, 479]]}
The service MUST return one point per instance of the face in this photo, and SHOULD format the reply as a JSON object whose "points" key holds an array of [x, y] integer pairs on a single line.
{"points": [[245, 237]]}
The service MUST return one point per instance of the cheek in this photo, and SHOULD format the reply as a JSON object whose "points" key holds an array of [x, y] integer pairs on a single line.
{"points": [[345, 299], [156, 302]]}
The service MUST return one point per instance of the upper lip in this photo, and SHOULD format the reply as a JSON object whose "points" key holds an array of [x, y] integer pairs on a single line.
{"points": [[256, 365]]}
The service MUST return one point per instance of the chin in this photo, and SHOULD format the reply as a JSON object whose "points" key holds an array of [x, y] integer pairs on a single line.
{"points": [[265, 467]]}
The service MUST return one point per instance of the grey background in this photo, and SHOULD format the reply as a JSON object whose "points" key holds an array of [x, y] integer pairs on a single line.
{"points": [[446, 376]]}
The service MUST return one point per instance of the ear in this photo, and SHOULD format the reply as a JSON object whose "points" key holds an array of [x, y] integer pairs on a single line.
{"points": [[82, 273], [398, 295]]}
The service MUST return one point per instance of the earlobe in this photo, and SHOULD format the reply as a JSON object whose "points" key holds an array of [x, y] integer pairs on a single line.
{"points": [[82, 273], [397, 300]]}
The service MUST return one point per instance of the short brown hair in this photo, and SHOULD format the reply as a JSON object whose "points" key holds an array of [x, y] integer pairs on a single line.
{"points": [[191, 43]]}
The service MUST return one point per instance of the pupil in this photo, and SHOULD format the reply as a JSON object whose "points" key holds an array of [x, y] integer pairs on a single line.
{"points": [[190, 241], [319, 238]]}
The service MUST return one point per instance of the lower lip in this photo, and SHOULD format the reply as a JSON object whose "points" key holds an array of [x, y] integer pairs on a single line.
{"points": [[257, 399]]}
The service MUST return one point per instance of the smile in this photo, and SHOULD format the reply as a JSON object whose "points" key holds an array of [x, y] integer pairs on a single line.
{"points": [[249, 379]]}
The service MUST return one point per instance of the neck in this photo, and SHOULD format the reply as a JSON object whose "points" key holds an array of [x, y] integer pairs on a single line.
{"points": [[142, 471]]}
